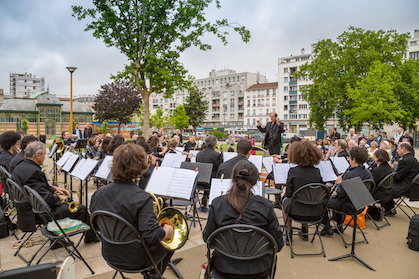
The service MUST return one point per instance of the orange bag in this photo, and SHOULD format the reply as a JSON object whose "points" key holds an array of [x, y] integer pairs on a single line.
{"points": [[360, 219]]}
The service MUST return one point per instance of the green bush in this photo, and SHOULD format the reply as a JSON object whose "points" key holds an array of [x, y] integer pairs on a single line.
{"points": [[219, 134]]}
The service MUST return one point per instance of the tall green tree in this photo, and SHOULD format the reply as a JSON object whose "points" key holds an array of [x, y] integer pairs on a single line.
{"points": [[117, 101], [196, 108], [179, 118], [152, 34], [156, 119], [342, 65]]}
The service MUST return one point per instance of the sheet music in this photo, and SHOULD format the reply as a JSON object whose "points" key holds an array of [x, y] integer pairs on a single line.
{"points": [[219, 188], [281, 173], [172, 182], [173, 160], [193, 159], [326, 171], [228, 155], [257, 161], [268, 163], [77, 168], [340, 163], [105, 167], [70, 162], [292, 165], [366, 166], [179, 149], [63, 159], [182, 184], [87, 168], [53, 149]]}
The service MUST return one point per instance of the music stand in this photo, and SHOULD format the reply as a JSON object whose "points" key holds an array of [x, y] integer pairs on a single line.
{"points": [[81, 143], [360, 197]]}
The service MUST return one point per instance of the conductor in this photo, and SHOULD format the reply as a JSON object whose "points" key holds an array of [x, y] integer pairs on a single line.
{"points": [[272, 130]]}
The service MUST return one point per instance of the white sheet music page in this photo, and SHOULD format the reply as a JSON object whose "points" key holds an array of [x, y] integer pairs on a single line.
{"points": [[178, 161], [219, 188], [169, 158], [340, 163], [53, 149], [77, 168], [182, 183], [228, 155], [105, 167], [194, 152], [366, 166], [257, 189], [281, 173], [257, 161], [179, 149], [64, 159], [70, 162], [160, 180], [326, 171], [268, 163], [87, 168]]}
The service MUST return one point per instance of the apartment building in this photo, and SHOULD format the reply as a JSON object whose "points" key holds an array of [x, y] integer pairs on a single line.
{"points": [[22, 85], [261, 100], [412, 46], [88, 100]]}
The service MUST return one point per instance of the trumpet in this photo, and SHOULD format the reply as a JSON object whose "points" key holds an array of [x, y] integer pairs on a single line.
{"points": [[181, 231]]}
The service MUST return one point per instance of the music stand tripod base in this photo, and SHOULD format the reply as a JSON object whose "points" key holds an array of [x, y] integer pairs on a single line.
{"points": [[203, 209]]}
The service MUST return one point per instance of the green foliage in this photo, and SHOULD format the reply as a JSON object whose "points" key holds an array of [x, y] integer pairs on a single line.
{"points": [[152, 34], [104, 129], [156, 119], [179, 118], [24, 125], [219, 134], [196, 108], [342, 65]]}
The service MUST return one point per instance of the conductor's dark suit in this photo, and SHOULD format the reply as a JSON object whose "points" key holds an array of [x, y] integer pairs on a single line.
{"points": [[209, 155], [226, 168], [408, 168], [272, 136]]}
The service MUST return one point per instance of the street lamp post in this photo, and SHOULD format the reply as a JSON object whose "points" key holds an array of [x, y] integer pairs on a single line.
{"points": [[71, 70]]}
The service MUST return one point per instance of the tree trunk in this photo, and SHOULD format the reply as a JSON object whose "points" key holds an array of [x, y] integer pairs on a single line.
{"points": [[119, 128], [146, 114]]}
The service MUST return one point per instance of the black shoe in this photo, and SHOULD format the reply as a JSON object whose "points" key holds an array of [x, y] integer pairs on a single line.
{"points": [[94, 240], [287, 242], [204, 201], [340, 227], [390, 212], [58, 244], [278, 205], [303, 233], [327, 231]]}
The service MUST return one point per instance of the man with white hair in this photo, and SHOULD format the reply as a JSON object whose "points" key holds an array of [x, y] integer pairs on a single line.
{"points": [[398, 136], [352, 136], [351, 144]]}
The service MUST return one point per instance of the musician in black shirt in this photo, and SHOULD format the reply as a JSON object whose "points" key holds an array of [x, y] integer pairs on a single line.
{"points": [[126, 199], [191, 144]]}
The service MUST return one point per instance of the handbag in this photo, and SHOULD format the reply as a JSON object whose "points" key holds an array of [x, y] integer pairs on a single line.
{"points": [[360, 219]]}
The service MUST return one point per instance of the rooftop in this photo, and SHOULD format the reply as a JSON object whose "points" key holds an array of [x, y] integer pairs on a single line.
{"points": [[263, 86]]}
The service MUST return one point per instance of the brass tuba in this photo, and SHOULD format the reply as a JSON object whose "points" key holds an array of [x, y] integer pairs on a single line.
{"points": [[61, 145], [181, 231]]}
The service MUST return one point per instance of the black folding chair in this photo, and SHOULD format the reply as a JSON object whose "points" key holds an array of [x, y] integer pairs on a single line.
{"points": [[385, 183], [404, 196], [22, 203], [115, 230], [40, 206], [7, 196], [311, 195], [241, 242]]}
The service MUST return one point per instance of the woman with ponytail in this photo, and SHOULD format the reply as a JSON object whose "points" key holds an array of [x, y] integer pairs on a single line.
{"points": [[240, 206]]}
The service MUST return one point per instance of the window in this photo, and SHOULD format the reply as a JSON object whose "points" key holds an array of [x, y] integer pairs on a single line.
{"points": [[305, 58], [238, 78], [248, 121], [231, 108], [254, 102], [231, 93], [248, 112], [287, 60], [267, 111], [285, 107], [293, 116], [302, 116], [285, 116], [285, 70], [254, 121], [414, 55], [242, 77], [297, 59], [229, 79], [285, 88], [267, 92], [302, 106], [273, 92], [285, 79], [248, 103], [260, 111], [258, 102], [285, 98], [274, 102], [232, 102], [232, 115], [234, 79], [413, 43], [293, 98], [216, 81], [300, 97], [254, 112], [205, 82]]}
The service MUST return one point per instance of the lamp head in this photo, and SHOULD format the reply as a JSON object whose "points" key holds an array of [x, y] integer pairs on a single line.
{"points": [[71, 69]]}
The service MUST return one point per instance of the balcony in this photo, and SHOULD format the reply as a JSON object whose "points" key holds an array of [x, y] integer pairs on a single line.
{"points": [[293, 82], [293, 102], [293, 92], [215, 118], [215, 105], [241, 103], [240, 117]]}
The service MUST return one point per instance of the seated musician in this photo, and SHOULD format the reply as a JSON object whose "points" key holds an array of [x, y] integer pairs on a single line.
{"points": [[21, 155], [124, 198], [68, 141], [341, 148], [209, 155], [101, 153], [240, 206], [382, 169], [9, 141], [306, 156], [284, 158], [92, 148], [29, 173], [191, 144], [155, 150], [145, 177], [115, 142], [357, 157], [407, 169], [244, 148]]}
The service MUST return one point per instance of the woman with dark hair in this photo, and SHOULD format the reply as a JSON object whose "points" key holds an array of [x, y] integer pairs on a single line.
{"points": [[240, 206], [21, 155], [91, 148], [321, 146], [117, 141], [9, 141], [103, 150], [305, 155], [382, 158], [154, 149], [357, 157], [126, 199]]}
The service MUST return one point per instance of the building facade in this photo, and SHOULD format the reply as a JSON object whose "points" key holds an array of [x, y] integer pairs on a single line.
{"points": [[23, 85], [260, 100], [413, 46], [88, 100]]}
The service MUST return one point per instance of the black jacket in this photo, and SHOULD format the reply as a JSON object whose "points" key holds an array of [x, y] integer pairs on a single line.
{"points": [[259, 213], [91, 151], [136, 206], [209, 155], [189, 146], [407, 169], [276, 133], [343, 153], [87, 132], [384, 169], [226, 168], [16, 160]]}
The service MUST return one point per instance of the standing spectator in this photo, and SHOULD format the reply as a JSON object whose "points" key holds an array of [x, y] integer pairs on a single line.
{"points": [[398, 136], [179, 135], [230, 143], [378, 138], [335, 135], [77, 132], [352, 136], [134, 138], [359, 137], [88, 131], [252, 141]]}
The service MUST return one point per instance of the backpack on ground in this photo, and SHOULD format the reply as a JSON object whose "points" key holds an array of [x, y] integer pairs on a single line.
{"points": [[4, 228], [413, 234]]}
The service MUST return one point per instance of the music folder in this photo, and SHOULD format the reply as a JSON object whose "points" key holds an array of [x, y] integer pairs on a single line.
{"points": [[341, 164], [173, 160], [220, 187], [64, 159], [104, 170], [281, 172], [170, 183], [204, 170], [84, 168], [53, 150], [81, 143], [69, 164]]}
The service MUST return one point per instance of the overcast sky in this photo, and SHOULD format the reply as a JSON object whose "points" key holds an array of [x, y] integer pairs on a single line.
{"points": [[41, 37]]}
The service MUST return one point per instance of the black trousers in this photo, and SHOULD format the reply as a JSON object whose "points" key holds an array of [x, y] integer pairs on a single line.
{"points": [[273, 149]]}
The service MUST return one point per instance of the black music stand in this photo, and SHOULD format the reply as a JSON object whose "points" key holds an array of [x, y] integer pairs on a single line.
{"points": [[360, 197], [204, 177], [81, 143]]}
